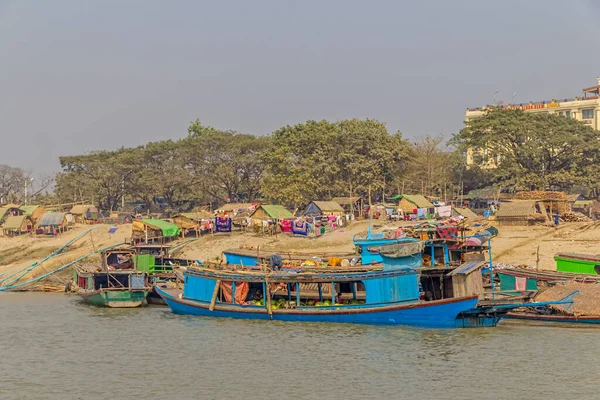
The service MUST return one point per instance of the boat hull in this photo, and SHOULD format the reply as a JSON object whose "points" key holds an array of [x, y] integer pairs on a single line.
{"points": [[553, 319], [577, 263], [115, 299], [434, 314]]}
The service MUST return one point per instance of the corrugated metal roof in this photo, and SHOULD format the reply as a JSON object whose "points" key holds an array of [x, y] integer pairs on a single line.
{"points": [[518, 208], [467, 268], [328, 206], [52, 219]]}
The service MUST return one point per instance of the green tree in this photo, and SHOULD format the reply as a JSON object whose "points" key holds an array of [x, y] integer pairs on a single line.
{"points": [[532, 150]]}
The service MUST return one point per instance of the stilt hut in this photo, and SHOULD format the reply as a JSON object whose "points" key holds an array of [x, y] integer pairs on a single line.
{"points": [[34, 211], [17, 225], [85, 213], [145, 230], [197, 221], [53, 223], [317, 208], [8, 211]]}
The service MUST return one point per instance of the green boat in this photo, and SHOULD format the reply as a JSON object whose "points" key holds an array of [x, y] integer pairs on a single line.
{"points": [[578, 263], [115, 283]]}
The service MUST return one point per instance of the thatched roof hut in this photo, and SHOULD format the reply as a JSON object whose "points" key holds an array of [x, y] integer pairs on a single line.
{"points": [[85, 213], [191, 220], [33, 211], [521, 212], [464, 211], [18, 225], [316, 208], [409, 202], [9, 210], [153, 229], [266, 212]]}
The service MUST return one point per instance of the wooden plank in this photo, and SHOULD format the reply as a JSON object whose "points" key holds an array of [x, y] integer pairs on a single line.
{"points": [[213, 300]]}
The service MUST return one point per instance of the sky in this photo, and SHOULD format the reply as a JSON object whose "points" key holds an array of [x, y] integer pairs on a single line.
{"points": [[82, 75]]}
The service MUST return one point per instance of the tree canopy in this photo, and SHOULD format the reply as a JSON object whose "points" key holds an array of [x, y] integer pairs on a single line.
{"points": [[531, 150]]}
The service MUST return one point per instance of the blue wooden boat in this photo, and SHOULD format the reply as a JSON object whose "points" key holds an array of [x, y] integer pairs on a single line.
{"points": [[391, 294]]}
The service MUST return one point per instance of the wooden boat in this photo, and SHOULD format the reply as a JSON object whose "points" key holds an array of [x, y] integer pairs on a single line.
{"points": [[552, 318], [391, 295], [578, 263], [115, 283], [528, 279]]}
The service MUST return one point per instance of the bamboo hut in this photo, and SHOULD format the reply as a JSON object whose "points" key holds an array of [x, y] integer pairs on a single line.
{"points": [[9, 210], [317, 208], [34, 211], [85, 213], [53, 223], [17, 225], [521, 212], [411, 202], [235, 209], [269, 212], [153, 229], [552, 202], [197, 221]]}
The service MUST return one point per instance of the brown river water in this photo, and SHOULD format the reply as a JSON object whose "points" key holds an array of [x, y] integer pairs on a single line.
{"points": [[53, 346]]}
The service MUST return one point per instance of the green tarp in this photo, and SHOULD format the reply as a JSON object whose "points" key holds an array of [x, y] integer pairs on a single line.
{"points": [[277, 212], [167, 228]]}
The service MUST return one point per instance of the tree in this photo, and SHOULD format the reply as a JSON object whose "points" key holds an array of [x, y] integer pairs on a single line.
{"points": [[226, 165], [532, 150]]}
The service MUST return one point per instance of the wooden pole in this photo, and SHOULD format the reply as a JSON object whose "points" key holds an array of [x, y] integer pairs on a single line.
{"points": [[268, 298], [213, 300]]}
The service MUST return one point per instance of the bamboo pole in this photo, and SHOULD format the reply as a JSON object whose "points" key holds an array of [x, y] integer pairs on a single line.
{"points": [[268, 298], [213, 300]]}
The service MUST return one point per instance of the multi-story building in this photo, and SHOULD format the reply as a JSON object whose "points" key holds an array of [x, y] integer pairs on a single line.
{"points": [[585, 109]]}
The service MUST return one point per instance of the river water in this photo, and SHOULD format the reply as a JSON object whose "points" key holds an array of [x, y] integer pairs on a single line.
{"points": [[53, 346]]}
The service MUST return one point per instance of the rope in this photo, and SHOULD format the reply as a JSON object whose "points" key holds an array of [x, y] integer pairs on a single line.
{"points": [[39, 278], [25, 270]]}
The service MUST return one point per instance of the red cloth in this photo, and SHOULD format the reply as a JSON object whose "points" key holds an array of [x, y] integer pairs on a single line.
{"points": [[286, 225], [241, 291]]}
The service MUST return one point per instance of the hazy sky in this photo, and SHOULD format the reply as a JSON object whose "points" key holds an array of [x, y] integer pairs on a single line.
{"points": [[83, 75]]}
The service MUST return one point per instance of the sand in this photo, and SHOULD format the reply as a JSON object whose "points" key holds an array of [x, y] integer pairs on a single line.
{"points": [[513, 245]]}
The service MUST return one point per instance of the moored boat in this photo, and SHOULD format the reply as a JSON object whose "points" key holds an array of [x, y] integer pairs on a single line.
{"points": [[115, 283], [578, 263], [390, 292]]}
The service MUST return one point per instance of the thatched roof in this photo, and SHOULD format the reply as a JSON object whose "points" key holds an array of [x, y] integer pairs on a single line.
{"points": [[417, 199], [6, 208], [275, 211], [586, 303], [328, 206], [81, 209], [230, 207], [345, 201], [465, 212], [14, 222], [520, 208]]}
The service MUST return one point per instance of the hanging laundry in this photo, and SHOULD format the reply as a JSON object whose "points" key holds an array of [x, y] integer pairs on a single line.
{"points": [[444, 211], [286, 225], [300, 227], [421, 213], [223, 224]]}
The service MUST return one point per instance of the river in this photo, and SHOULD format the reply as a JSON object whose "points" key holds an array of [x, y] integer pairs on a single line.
{"points": [[53, 346]]}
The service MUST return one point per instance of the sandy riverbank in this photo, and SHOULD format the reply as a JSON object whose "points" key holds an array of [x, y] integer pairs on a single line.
{"points": [[514, 245]]}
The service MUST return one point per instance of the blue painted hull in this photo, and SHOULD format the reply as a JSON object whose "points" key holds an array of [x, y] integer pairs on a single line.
{"points": [[435, 314]]}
